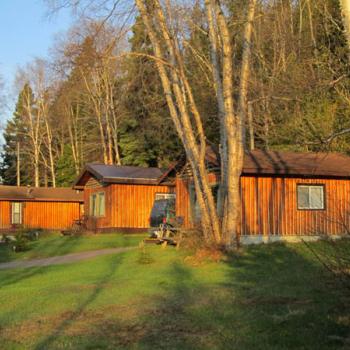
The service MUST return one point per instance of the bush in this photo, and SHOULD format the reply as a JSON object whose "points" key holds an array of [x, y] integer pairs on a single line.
{"points": [[30, 234], [21, 243], [23, 237]]}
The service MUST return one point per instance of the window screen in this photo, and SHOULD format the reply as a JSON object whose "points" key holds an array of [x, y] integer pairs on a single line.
{"points": [[310, 197], [16, 213], [97, 204], [101, 202], [165, 196]]}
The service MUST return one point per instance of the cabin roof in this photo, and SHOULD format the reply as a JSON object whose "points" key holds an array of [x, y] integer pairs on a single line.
{"points": [[280, 163], [260, 162], [48, 194], [257, 162], [120, 174]]}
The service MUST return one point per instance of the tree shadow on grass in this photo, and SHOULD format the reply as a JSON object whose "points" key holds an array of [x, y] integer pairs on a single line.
{"points": [[282, 299], [271, 297], [49, 341]]}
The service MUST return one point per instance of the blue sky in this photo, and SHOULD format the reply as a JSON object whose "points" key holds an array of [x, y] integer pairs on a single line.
{"points": [[26, 32]]}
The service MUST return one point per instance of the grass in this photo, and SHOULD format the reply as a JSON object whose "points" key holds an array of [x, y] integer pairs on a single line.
{"points": [[268, 297], [55, 244]]}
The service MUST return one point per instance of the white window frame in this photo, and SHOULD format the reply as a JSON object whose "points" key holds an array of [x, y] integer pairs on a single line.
{"points": [[13, 213], [310, 187]]}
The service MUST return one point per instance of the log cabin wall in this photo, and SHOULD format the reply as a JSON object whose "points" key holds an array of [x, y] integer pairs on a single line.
{"points": [[126, 205], [42, 214], [269, 206]]}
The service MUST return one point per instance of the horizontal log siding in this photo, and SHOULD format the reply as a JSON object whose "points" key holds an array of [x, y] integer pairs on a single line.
{"points": [[44, 215], [269, 207], [127, 206]]}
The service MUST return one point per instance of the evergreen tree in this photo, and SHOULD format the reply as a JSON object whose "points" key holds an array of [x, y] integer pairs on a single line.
{"points": [[16, 133], [147, 135], [65, 168]]}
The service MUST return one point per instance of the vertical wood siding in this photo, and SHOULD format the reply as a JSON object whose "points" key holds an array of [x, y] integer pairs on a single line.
{"points": [[44, 215], [183, 207], [269, 206], [5, 214], [127, 206]]}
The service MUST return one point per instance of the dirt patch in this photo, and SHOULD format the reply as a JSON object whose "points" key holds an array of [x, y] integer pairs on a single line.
{"points": [[204, 255]]}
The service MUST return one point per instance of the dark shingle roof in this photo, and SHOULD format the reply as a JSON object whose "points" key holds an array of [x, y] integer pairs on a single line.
{"points": [[40, 194], [121, 174], [260, 162], [125, 172], [296, 164]]}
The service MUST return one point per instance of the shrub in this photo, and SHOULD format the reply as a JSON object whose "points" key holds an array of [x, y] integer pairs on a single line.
{"points": [[30, 234], [21, 243]]}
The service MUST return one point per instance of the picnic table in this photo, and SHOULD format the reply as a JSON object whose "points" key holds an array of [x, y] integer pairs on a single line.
{"points": [[169, 232]]}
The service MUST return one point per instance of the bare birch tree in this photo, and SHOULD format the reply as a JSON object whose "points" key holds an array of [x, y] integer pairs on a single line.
{"points": [[183, 109], [345, 8], [33, 123], [42, 91]]}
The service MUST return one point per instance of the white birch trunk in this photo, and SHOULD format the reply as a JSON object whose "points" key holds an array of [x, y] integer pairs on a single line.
{"points": [[345, 8]]}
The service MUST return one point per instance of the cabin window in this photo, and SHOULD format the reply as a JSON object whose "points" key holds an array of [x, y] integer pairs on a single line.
{"points": [[97, 204], [170, 196], [311, 197], [16, 213]]}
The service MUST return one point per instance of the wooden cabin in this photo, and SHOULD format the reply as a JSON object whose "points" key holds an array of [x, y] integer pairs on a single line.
{"points": [[120, 198], [39, 208], [284, 194]]}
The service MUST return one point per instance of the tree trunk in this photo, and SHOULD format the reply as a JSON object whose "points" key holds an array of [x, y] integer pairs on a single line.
{"points": [[50, 151], [18, 165], [251, 127], [234, 129], [245, 68], [177, 90], [345, 8]]}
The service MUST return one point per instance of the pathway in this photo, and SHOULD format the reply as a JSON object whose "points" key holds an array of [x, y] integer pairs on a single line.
{"points": [[63, 259]]}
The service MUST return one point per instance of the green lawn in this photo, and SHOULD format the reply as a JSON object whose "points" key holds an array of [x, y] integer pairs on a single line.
{"points": [[55, 244], [269, 297]]}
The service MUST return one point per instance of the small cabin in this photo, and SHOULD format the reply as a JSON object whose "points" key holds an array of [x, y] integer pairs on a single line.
{"points": [[121, 198], [283, 194], [39, 207]]}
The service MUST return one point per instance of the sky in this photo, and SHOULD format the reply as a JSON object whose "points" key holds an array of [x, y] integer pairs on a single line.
{"points": [[26, 32]]}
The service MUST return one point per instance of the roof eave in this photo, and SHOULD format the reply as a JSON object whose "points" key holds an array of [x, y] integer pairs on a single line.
{"points": [[131, 181], [87, 169]]}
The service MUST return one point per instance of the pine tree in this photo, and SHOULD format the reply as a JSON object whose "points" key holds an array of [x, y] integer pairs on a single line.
{"points": [[65, 168], [147, 135], [16, 132]]}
